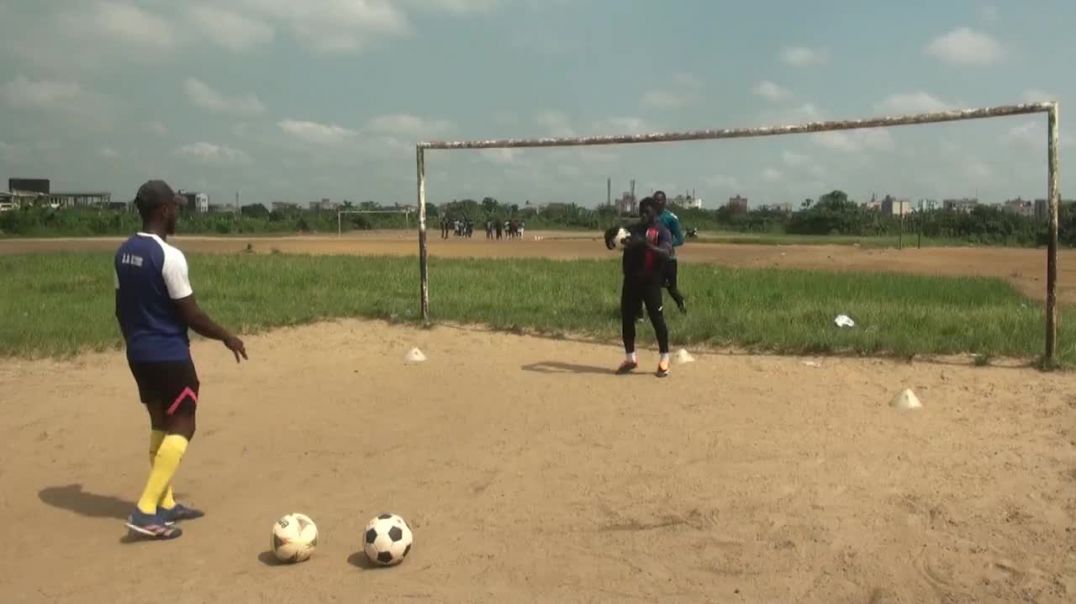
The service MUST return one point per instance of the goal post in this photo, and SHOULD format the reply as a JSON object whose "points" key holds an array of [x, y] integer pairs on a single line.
{"points": [[1051, 108], [340, 216]]}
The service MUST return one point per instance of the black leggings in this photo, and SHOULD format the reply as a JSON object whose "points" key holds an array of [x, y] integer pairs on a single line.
{"points": [[669, 271], [633, 296]]}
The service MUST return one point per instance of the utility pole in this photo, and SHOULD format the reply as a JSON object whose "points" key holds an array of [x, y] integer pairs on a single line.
{"points": [[609, 192]]}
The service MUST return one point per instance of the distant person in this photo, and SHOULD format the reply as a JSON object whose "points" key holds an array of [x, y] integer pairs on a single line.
{"points": [[647, 249], [489, 229], [155, 306], [671, 222], [500, 229], [444, 227]]}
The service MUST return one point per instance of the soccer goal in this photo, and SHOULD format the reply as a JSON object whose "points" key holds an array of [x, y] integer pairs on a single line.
{"points": [[406, 212], [1050, 108]]}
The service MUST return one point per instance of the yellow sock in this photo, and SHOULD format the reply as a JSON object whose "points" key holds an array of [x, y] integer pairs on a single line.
{"points": [[165, 464], [168, 500]]}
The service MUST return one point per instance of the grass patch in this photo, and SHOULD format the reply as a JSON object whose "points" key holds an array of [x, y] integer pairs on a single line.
{"points": [[60, 304], [867, 241]]}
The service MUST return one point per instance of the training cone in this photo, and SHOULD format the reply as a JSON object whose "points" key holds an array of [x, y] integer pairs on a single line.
{"points": [[414, 356], [683, 356], [906, 400]]}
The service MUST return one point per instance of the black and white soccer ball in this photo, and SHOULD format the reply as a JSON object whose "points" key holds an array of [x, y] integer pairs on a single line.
{"points": [[387, 540], [616, 237]]}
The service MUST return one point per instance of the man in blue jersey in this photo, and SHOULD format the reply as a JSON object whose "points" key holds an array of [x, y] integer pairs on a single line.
{"points": [[671, 222], [155, 306]]}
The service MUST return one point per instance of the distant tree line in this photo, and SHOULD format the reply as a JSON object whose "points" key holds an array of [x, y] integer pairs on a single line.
{"points": [[831, 214]]}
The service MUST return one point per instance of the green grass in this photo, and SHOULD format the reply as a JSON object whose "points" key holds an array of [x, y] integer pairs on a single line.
{"points": [[60, 304]]}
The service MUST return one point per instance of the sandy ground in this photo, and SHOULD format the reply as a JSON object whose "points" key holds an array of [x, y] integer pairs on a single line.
{"points": [[529, 473], [1024, 268]]}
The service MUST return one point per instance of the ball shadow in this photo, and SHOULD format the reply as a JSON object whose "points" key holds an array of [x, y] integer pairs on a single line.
{"points": [[360, 560], [268, 558]]}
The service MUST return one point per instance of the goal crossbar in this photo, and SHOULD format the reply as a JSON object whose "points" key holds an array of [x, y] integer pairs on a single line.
{"points": [[1051, 108]]}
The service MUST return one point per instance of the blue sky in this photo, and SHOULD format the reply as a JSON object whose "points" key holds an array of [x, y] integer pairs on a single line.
{"points": [[284, 100]]}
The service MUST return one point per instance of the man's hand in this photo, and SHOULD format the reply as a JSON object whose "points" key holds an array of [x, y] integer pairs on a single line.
{"points": [[236, 346]]}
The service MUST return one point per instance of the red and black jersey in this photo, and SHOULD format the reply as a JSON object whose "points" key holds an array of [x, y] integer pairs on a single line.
{"points": [[640, 263]]}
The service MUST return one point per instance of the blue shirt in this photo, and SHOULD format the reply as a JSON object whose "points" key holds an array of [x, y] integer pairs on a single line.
{"points": [[672, 222], [150, 276]]}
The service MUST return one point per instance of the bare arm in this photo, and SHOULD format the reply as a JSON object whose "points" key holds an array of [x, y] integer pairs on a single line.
{"points": [[118, 319], [199, 321]]}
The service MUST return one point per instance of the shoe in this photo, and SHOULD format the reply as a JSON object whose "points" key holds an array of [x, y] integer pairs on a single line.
{"points": [[626, 367], [153, 526], [180, 513], [663, 369]]}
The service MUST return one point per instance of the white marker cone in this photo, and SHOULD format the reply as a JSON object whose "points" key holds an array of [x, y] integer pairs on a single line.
{"points": [[683, 356], [414, 356], [906, 400]]}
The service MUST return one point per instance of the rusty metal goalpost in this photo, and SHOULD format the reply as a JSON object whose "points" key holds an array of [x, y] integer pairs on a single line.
{"points": [[1050, 108]]}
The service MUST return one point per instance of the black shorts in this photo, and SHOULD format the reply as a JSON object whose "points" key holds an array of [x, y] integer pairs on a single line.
{"points": [[173, 385]]}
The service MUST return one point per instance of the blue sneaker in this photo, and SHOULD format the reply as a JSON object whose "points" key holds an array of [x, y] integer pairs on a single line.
{"points": [[153, 526], [179, 513]]}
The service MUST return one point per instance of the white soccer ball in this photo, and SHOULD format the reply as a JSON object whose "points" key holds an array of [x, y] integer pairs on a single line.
{"points": [[387, 540], [295, 537]]}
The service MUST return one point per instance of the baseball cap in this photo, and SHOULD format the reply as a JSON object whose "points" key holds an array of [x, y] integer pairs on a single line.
{"points": [[153, 193]]}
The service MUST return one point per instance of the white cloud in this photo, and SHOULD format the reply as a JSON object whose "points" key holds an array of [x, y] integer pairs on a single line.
{"points": [[855, 141], [802, 56], [772, 175], [1035, 95], [402, 124], [794, 160], [683, 91], [23, 93], [59, 97], [229, 29], [770, 91], [963, 46], [1027, 134], [555, 123], [204, 96], [157, 127], [1031, 134], [912, 102], [806, 112], [108, 152], [10, 153], [621, 125], [210, 153], [123, 22], [335, 26], [317, 133], [500, 156], [454, 6], [666, 99]]}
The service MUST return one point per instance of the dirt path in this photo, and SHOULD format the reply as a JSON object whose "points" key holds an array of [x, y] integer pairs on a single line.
{"points": [[531, 474], [1025, 268]]}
